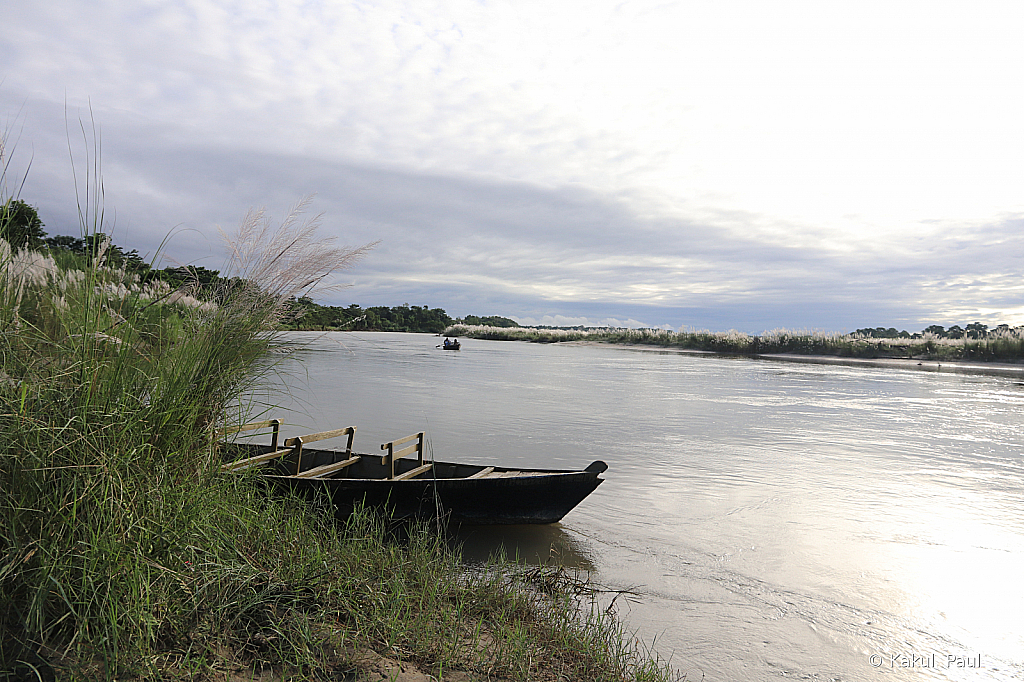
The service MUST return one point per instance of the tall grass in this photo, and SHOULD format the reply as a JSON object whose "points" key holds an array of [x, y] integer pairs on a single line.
{"points": [[1005, 345], [109, 490], [124, 552], [109, 390]]}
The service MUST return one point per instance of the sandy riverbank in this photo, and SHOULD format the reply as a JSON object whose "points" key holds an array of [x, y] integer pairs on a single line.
{"points": [[987, 368]]}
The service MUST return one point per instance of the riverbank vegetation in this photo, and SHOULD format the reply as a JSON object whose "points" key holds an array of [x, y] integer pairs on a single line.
{"points": [[22, 227], [125, 553], [309, 315], [975, 342]]}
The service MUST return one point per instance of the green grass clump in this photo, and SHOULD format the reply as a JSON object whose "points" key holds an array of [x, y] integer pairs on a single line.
{"points": [[110, 497]]}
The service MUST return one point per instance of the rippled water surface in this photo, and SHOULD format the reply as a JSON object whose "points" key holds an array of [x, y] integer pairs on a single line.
{"points": [[777, 520]]}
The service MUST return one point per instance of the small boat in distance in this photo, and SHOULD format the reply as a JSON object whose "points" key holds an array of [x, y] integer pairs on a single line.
{"points": [[450, 344], [412, 488]]}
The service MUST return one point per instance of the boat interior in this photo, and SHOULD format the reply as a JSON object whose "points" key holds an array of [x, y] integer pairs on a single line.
{"points": [[401, 459]]}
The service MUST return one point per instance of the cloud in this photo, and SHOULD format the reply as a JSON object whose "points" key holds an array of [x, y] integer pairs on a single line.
{"points": [[646, 163], [465, 243]]}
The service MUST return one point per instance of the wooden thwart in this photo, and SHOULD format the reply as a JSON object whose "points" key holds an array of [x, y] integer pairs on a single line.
{"points": [[250, 461], [412, 473], [292, 446], [252, 426], [324, 435], [321, 471], [388, 460], [298, 441]]}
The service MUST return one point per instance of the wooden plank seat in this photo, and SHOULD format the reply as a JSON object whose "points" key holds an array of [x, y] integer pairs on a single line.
{"points": [[388, 459], [273, 424], [412, 473], [293, 447], [327, 469], [275, 452], [483, 472], [242, 464], [298, 441]]}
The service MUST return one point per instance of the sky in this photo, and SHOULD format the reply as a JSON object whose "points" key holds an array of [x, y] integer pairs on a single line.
{"points": [[718, 165]]}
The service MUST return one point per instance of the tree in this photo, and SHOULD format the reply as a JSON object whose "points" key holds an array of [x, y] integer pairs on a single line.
{"points": [[882, 333], [490, 321], [977, 330], [64, 241], [186, 274], [20, 225]]}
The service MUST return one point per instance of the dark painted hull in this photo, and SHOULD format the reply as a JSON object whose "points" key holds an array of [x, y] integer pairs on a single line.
{"points": [[522, 499], [506, 496]]}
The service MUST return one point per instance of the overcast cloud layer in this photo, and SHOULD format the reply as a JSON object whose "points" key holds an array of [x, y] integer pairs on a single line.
{"points": [[718, 165]]}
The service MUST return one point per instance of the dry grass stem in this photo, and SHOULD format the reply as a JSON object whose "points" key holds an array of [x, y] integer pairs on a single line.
{"points": [[288, 260]]}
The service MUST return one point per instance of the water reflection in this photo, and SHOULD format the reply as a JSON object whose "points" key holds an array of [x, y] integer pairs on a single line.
{"points": [[538, 545]]}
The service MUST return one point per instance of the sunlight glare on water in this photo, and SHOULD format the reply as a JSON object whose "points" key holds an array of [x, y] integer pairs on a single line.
{"points": [[777, 520]]}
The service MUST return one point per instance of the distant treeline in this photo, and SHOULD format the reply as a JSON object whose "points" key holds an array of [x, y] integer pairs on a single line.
{"points": [[310, 315], [975, 330]]}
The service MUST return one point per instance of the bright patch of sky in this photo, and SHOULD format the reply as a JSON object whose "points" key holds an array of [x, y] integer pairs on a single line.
{"points": [[714, 165]]}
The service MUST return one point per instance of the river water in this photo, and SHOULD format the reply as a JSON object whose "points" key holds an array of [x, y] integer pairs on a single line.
{"points": [[773, 520]]}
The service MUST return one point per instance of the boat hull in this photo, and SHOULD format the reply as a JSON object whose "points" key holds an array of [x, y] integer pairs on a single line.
{"points": [[514, 500], [463, 493]]}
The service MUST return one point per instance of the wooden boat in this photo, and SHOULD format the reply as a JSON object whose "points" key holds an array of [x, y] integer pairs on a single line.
{"points": [[413, 488]]}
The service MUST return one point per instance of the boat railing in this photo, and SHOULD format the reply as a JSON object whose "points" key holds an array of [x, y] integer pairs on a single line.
{"points": [[275, 424], [298, 441], [293, 449], [388, 459]]}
